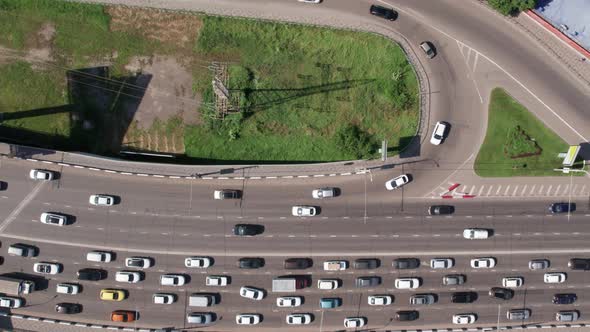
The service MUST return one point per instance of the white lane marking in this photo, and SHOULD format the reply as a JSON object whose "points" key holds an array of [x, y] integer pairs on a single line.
{"points": [[498, 191], [523, 190], [574, 189], [565, 190], [21, 206], [480, 190], [540, 192], [514, 192], [532, 189], [472, 190], [549, 190], [489, 190]]}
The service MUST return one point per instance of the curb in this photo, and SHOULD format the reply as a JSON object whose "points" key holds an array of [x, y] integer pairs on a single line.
{"points": [[194, 177], [133, 329]]}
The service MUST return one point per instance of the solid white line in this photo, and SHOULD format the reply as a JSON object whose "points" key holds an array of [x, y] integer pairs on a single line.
{"points": [[475, 61], [21, 206]]}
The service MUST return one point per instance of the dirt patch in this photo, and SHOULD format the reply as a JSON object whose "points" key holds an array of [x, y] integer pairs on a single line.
{"points": [[179, 29], [40, 46], [166, 107]]}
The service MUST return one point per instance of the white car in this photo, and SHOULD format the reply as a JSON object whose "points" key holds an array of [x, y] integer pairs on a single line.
{"points": [[248, 319], [303, 211], [379, 300], [216, 281], [164, 298], [10, 302], [101, 200], [555, 278], [464, 319], [353, 322], [47, 268], [483, 263], [397, 182], [128, 276], [252, 293], [199, 262], [289, 301], [407, 283], [335, 265], [476, 233], [51, 218], [310, 1], [512, 282], [172, 280], [328, 284], [138, 262], [99, 256], [438, 134], [298, 319], [323, 193], [41, 174], [67, 288], [442, 263]]}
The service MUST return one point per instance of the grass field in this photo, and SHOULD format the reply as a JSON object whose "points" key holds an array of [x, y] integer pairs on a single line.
{"points": [[298, 85], [504, 114]]}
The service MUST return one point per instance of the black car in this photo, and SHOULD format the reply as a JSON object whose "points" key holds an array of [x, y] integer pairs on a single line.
{"points": [[579, 264], [406, 315], [366, 263], [464, 297], [562, 207], [437, 210], [92, 274], [298, 263], [68, 308], [248, 229], [384, 12], [406, 263], [564, 298], [362, 282], [501, 293], [251, 263]]}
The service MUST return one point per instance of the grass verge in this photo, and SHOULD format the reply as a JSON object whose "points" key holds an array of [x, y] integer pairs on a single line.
{"points": [[503, 140]]}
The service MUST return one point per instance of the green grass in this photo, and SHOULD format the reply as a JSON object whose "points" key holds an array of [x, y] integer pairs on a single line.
{"points": [[284, 73], [23, 89], [504, 114]]}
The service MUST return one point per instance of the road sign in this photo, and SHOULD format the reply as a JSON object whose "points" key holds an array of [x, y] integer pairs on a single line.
{"points": [[571, 155]]}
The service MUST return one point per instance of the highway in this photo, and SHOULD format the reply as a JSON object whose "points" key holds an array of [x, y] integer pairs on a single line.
{"points": [[171, 219]]}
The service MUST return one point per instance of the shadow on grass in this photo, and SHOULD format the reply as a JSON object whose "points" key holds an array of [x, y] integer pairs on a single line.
{"points": [[408, 147], [101, 108]]}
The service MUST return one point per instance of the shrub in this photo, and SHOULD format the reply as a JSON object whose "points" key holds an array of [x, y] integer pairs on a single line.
{"points": [[512, 7], [355, 142]]}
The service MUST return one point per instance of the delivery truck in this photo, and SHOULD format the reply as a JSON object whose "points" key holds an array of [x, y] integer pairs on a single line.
{"points": [[289, 283], [15, 286]]}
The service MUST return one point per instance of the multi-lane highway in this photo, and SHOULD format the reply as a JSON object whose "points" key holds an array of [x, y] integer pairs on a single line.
{"points": [[170, 220]]}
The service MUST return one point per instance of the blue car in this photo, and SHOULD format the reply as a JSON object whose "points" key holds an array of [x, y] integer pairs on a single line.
{"points": [[330, 302], [562, 207]]}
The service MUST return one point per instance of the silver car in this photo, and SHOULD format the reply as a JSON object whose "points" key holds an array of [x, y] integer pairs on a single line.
{"points": [[323, 193], [567, 316], [442, 263], [539, 264], [200, 318], [422, 299], [41, 174]]}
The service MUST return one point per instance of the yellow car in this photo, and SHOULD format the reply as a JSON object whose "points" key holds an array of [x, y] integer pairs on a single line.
{"points": [[112, 295]]}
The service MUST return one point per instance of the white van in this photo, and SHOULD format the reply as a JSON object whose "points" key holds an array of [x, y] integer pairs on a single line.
{"points": [[99, 256], [202, 300]]}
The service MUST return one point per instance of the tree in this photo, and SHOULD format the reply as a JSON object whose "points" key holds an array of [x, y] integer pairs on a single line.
{"points": [[512, 7]]}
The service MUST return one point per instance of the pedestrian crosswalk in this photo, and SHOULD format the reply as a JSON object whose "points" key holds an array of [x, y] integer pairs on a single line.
{"points": [[516, 190]]}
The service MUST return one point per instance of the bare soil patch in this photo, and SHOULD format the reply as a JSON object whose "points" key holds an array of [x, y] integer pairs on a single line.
{"points": [[176, 28]]}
